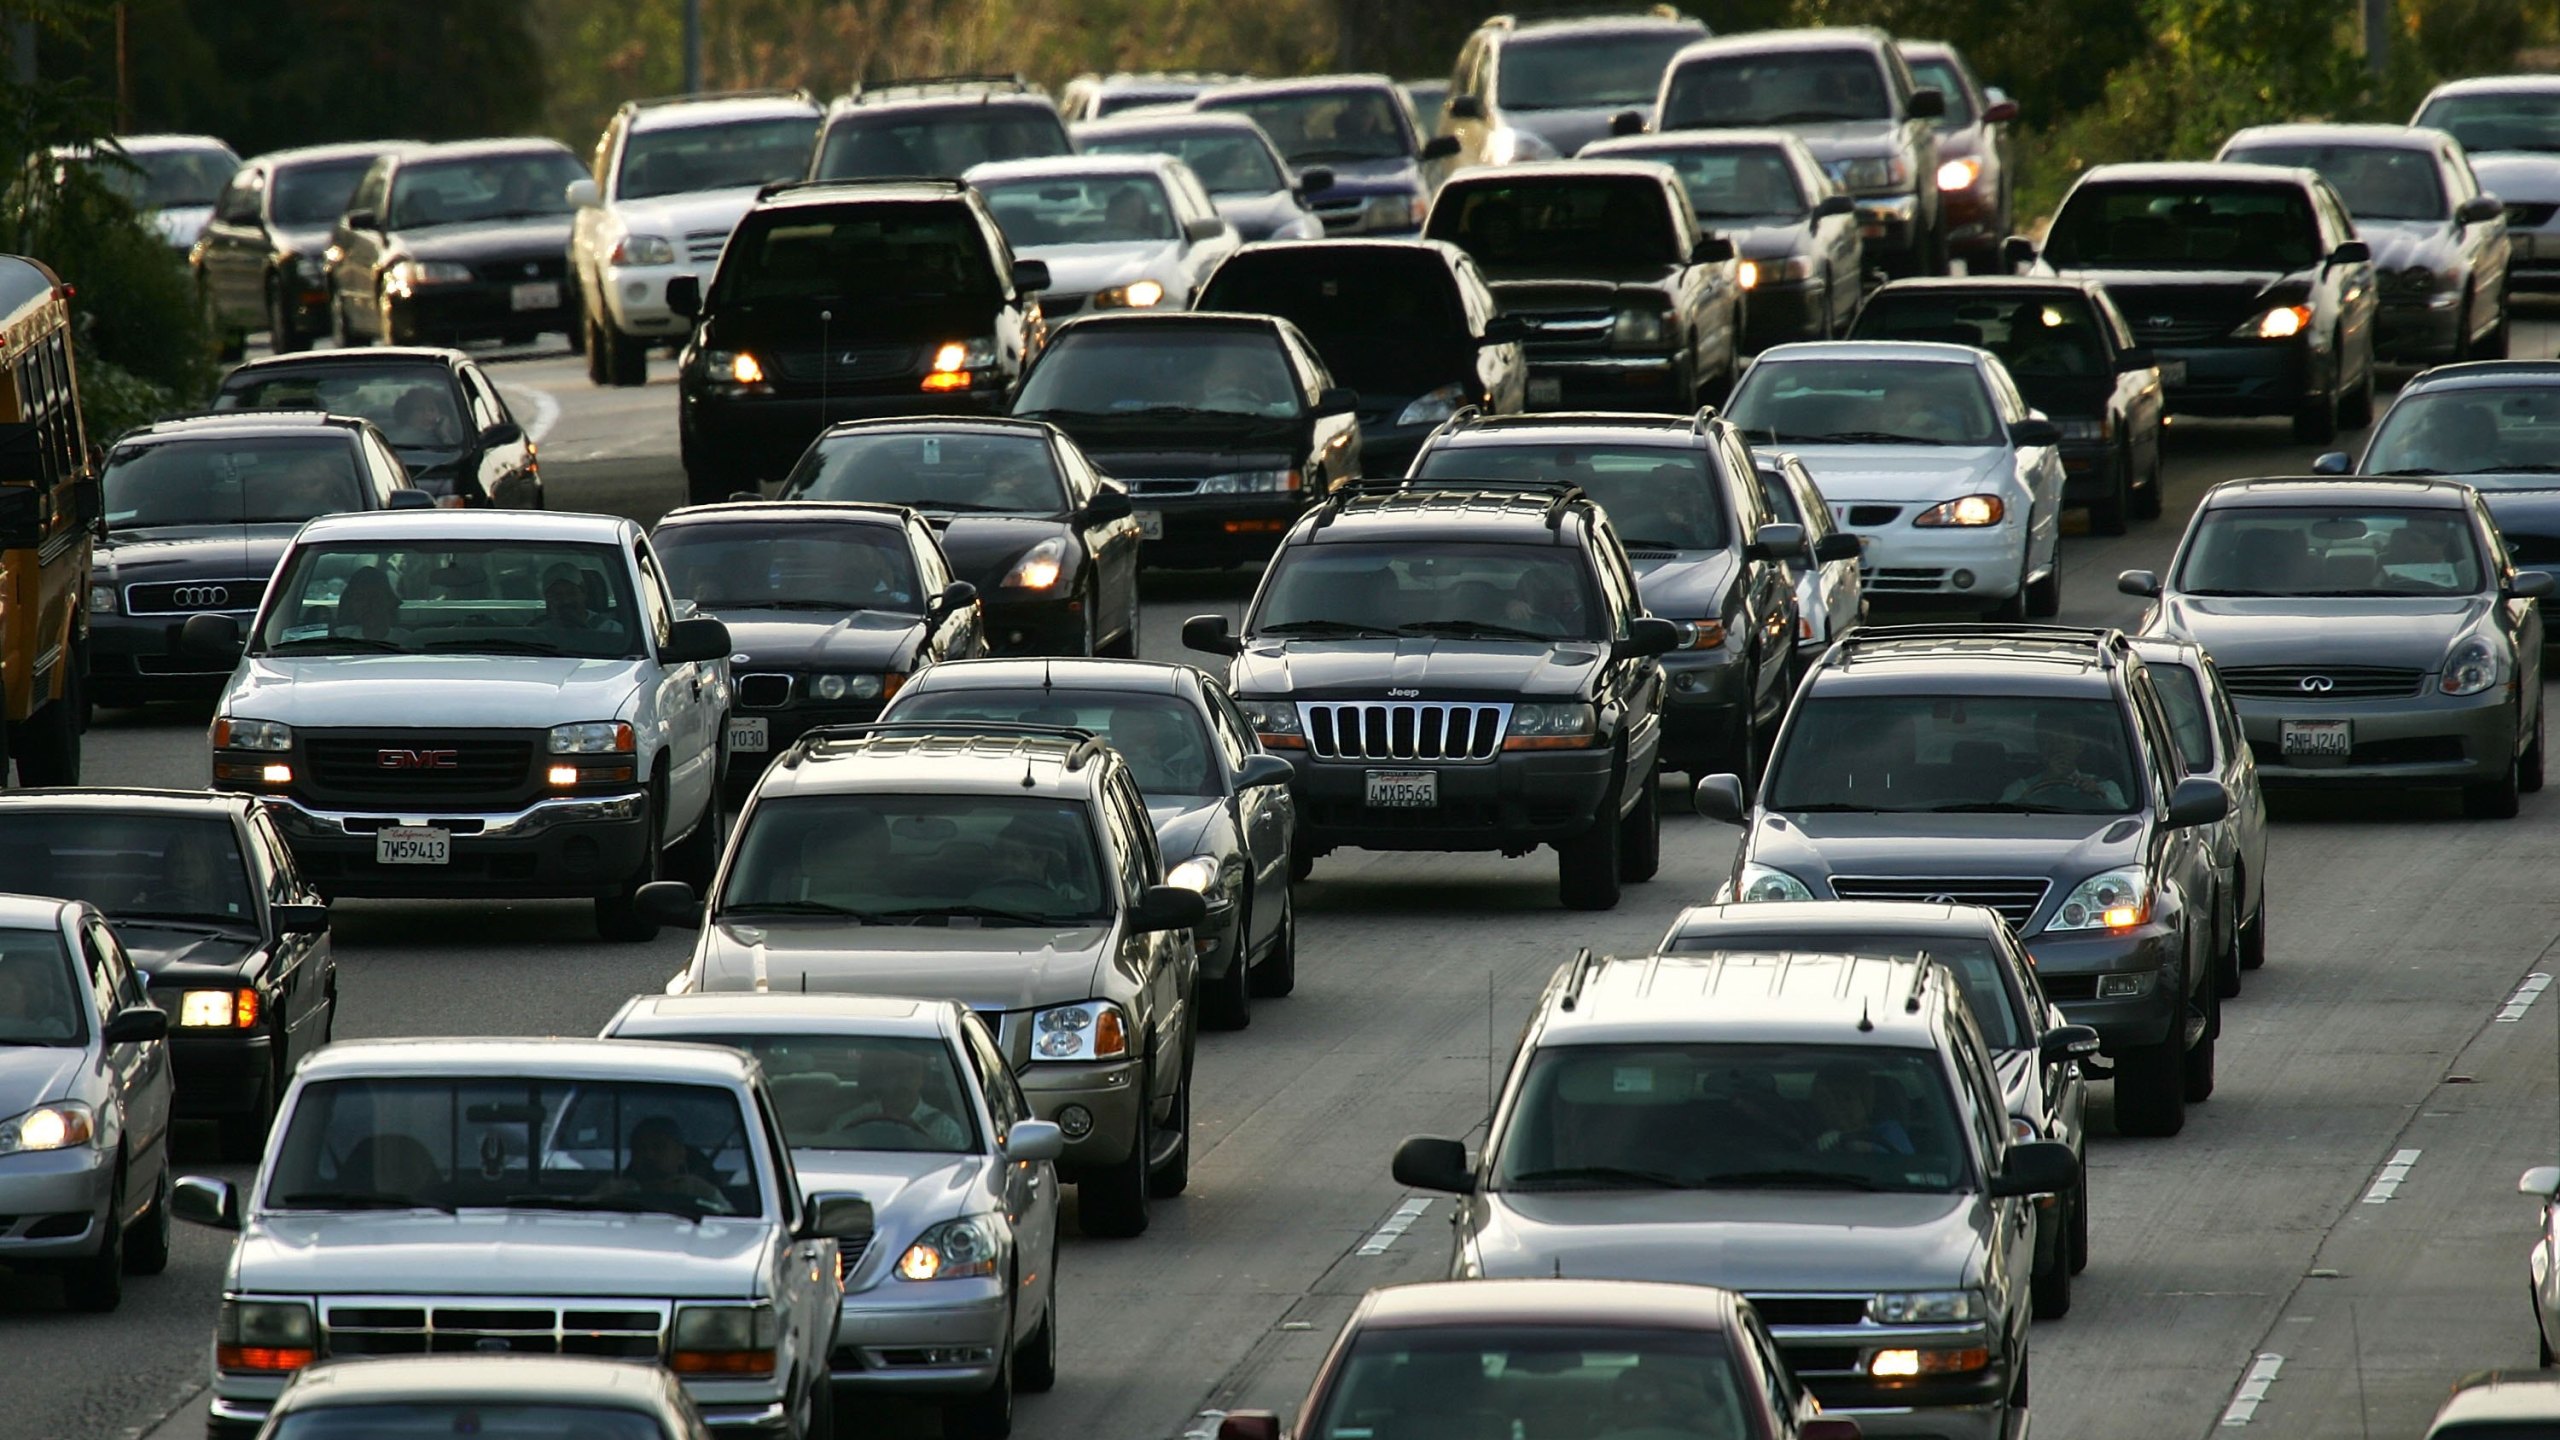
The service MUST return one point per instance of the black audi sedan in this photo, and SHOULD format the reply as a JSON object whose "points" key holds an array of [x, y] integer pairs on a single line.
{"points": [[262, 260], [830, 607], [1221, 426], [203, 895], [1049, 544], [198, 512], [465, 241], [1223, 816], [439, 409]]}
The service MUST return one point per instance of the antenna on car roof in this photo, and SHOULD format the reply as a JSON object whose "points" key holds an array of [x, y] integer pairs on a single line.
{"points": [[1864, 1024], [1044, 674]]}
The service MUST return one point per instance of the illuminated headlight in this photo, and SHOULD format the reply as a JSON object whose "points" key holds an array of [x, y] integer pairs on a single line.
{"points": [[2086, 429], [264, 1335], [1776, 270], [102, 599], [1881, 172], [1040, 566], [2475, 664], [846, 687], [1927, 1307], [58, 1126], [412, 275], [2281, 323], [1965, 512], [1093, 1030], [1759, 883], [1251, 482], [1747, 274], [594, 737], [733, 367], [218, 1009], [952, 1250], [1394, 212], [723, 1340], [1197, 873], [1959, 174], [1435, 407], [2114, 900], [1639, 327], [235, 734], [1508, 144], [1551, 726], [310, 267], [1136, 295], [1276, 721], [955, 355], [1905, 1364], [643, 250]]}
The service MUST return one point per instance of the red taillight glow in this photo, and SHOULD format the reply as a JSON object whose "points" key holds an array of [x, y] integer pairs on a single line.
{"points": [[261, 1357]]}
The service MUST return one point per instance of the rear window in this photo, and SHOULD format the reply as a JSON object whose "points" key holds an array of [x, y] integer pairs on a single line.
{"points": [[2377, 182], [1380, 320], [2513, 120], [2050, 335], [880, 253], [2185, 226], [1544, 1381], [1573, 222], [1956, 754], [941, 142]]}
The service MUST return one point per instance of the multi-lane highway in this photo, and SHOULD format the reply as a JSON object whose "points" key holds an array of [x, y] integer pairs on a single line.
{"points": [[2255, 1242]]}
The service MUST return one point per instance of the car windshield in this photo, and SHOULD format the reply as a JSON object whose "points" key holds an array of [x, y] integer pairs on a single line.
{"points": [[1659, 498], [1383, 319], [444, 1419], [1548, 1380], [1165, 739], [1865, 402], [2498, 437], [1326, 127], [944, 142], [522, 186], [1785, 1117], [861, 1092], [515, 1142], [2185, 226], [40, 998], [1921, 754], [1081, 210], [1228, 162], [1777, 87], [314, 193], [2329, 551], [1587, 71], [995, 860], [1975, 964], [998, 472], [414, 406], [2182, 696], [212, 481], [682, 159], [167, 179], [515, 597], [1941, 75], [1536, 593], [2378, 182], [2486, 123], [171, 867], [1738, 184], [2047, 336], [883, 254], [1142, 371], [724, 565], [1559, 220]]}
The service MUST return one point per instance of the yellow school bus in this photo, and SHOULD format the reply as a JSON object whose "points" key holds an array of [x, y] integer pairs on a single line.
{"points": [[48, 506]]}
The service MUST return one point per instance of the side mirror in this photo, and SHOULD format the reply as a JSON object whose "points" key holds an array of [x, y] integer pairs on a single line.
{"points": [[1249, 1425], [1034, 1140], [1439, 147], [1720, 797], [1779, 540], [1168, 907], [582, 194], [1336, 400], [2142, 583], [1835, 205], [1627, 122], [1466, 107], [88, 501], [1429, 1162], [136, 1025], [2334, 462], [1109, 503], [1928, 104], [211, 637], [2541, 1182], [1647, 635], [505, 432], [2478, 209], [1504, 330], [2017, 252], [203, 1200], [2000, 112], [1261, 770], [2529, 584], [838, 1216], [1830, 1427], [669, 902], [1211, 635], [1315, 180], [694, 641], [2198, 800], [2138, 357], [1207, 227], [2038, 1167], [2033, 434], [958, 595], [1030, 277], [2067, 1042], [300, 919], [410, 497], [684, 295], [21, 516], [360, 220], [2351, 252], [1838, 545], [1711, 250]]}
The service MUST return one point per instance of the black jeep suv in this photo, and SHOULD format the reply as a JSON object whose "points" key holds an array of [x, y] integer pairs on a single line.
{"points": [[2025, 768], [1460, 665]]}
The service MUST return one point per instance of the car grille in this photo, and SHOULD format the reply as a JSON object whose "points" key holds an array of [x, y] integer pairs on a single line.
{"points": [[2016, 900], [2303, 682], [1811, 1309], [1554, 330], [849, 1255], [1161, 489], [1404, 730], [482, 765], [523, 1327], [1345, 215], [516, 272], [2180, 331], [2531, 215], [869, 362], [190, 597], [1867, 517], [704, 246], [763, 692]]}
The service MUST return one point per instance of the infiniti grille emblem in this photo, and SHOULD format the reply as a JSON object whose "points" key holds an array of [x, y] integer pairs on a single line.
{"points": [[2317, 684], [2161, 322]]}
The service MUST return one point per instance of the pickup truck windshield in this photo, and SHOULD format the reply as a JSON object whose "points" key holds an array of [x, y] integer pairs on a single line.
{"points": [[1570, 221], [917, 860], [157, 866], [1922, 754], [1778, 87], [516, 1144], [206, 481], [790, 565], [520, 597]]}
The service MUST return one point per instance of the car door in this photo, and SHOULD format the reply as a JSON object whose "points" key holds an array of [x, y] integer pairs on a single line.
{"points": [[1026, 1190], [306, 966], [1110, 545], [138, 1071], [505, 467], [2520, 618], [689, 702], [2012, 1236], [358, 250], [1265, 818], [1634, 683], [2239, 776], [231, 253], [1769, 588], [2486, 245]]}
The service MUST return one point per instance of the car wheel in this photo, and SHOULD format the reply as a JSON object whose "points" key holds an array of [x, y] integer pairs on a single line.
{"points": [[2541, 1337], [2316, 423], [2107, 517], [2529, 765], [2147, 499], [2080, 1220], [146, 1251], [1302, 862], [2489, 800], [1172, 1175], [96, 1284], [47, 745], [2195, 1068], [2355, 408], [1112, 1202], [1587, 864], [1226, 1002], [243, 1137], [1277, 975], [987, 1415], [1035, 1364], [618, 915], [2014, 607], [626, 357], [595, 349], [1125, 645], [282, 338], [2044, 597], [1640, 834], [2226, 960], [2151, 1095], [2050, 1289]]}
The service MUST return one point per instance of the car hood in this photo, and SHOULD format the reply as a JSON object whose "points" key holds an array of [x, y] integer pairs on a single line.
{"points": [[1572, 287], [908, 1191], [1906, 473], [2066, 847], [1849, 139], [1763, 242], [215, 552], [991, 968], [1259, 217], [539, 237], [30, 1075], [307, 240], [2348, 630], [170, 953], [2398, 244], [1082, 269], [181, 224], [1757, 1240], [502, 1252], [673, 217], [508, 692], [1568, 130], [2519, 178], [862, 640], [1432, 668], [1686, 584], [1182, 824], [982, 548], [1393, 175]]}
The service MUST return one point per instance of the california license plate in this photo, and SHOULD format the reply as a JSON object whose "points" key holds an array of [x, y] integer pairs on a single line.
{"points": [[2317, 739], [751, 736], [540, 295], [1150, 524], [1404, 789], [412, 845], [1546, 390]]}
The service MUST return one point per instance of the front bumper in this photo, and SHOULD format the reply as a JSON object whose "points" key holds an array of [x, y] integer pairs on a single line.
{"points": [[1705, 712], [553, 849], [475, 311], [635, 299], [2073, 965], [1988, 1420], [2422, 329], [900, 1337], [239, 1410], [1513, 803], [2427, 739], [1107, 1096], [760, 437], [1977, 565], [1049, 625], [1778, 312], [55, 1204], [1889, 224], [2244, 378], [137, 657], [1607, 382], [216, 1073], [1212, 530], [2091, 470]]}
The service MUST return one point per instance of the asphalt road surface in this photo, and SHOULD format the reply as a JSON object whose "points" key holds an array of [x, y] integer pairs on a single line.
{"points": [[2253, 1242]]}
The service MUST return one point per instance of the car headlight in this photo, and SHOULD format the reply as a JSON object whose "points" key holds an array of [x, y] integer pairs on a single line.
{"points": [[1758, 883], [1091, 1030], [1274, 720], [102, 599], [1039, 567], [411, 275], [1701, 634], [1509, 143], [1251, 482], [2113, 900], [643, 250], [1136, 295], [218, 1009], [2084, 428], [2022, 1130], [1959, 174], [2282, 322], [1774, 270], [1552, 726], [723, 1340], [1964, 512], [230, 733], [1880, 172], [847, 687], [310, 267], [953, 356], [1394, 212], [1200, 873], [57, 1126], [739, 368], [2475, 663], [1435, 407], [592, 737], [264, 1335], [953, 1250], [1927, 1307], [1639, 327]]}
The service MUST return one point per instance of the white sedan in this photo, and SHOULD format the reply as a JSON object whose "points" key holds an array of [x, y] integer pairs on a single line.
{"points": [[1118, 232]]}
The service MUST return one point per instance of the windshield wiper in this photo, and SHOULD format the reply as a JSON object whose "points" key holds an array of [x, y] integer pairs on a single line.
{"points": [[1605, 1174], [796, 907], [973, 912], [181, 920], [1482, 628], [593, 1204], [1325, 627], [771, 602], [1774, 1179], [357, 1200], [1876, 437], [2005, 807], [498, 644], [332, 644]]}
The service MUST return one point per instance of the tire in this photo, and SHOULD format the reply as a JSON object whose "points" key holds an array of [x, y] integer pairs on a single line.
{"points": [[2226, 961], [1125, 647], [96, 1284], [987, 1415], [2253, 940], [282, 338], [2529, 765], [1640, 835], [1302, 863], [2147, 498], [1226, 1003], [1587, 866], [2151, 1095], [2050, 1287], [617, 915], [595, 352], [2355, 408], [47, 745], [2044, 597], [146, 1250], [1112, 1203], [2316, 423], [2489, 800], [2107, 517], [2080, 1221], [243, 1137], [1277, 975], [2195, 1068], [1035, 1364], [1173, 1176], [626, 358]]}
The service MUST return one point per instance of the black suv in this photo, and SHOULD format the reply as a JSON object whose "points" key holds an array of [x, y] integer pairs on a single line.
{"points": [[1460, 667], [936, 126], [844, 301], [2030, 769], [1708, 555]]}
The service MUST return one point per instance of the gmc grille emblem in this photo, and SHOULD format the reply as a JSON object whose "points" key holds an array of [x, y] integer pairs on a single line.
{"points": [[418, 759]]}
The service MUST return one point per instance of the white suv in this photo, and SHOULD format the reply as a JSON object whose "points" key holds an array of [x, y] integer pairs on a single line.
{"points": [[671, 179]]}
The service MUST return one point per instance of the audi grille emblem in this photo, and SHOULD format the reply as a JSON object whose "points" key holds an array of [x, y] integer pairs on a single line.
{"points": [[200, 597], [2317, 684], [418, 759]]}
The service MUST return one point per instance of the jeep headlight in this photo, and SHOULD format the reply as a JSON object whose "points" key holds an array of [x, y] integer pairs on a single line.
{"points": [[230, 733], [1433, 408], [57, 1126], [1273, 719], [1757, 883], [2475, 663], [2114, 900], [1640, 325], [1551, 726], [1927, 1307], [846, 687], [953, 1250], [1040, 566], [1088, 1030]]}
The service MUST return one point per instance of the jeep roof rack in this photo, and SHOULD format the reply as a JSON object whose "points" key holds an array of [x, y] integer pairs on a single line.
{"points": [[1562, 495], [989, 85], [2107, 643], [652, 102], [1083, 745]]}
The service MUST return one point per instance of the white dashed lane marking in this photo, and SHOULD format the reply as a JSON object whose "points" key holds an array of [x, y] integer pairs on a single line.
{"points": [[1395, 1225], [2253, 1388], [2386, 1183], [2521, 1001]]}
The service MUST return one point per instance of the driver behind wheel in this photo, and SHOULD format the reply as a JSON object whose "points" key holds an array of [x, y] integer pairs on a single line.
{"points": [[892, 1087], [2061, 777], [661, 1167]]}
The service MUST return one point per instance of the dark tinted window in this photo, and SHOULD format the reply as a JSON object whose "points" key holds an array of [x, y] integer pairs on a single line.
{"points": [[41, 1000], [883, 253], [1658, 497], [1381, 320], [982, 859], [2183, 698], [2516, 120], [1586, 71], [860, 1092], [1163, 737], [2496, 437], [2193, 226], [493, 187], [1546, 1380], [1941, 76], [231, 482], [2252, 550], [682, 159], [1608, 220], [1534, 592], [314, 193], [1924, 754], [1883, 402], [732, 565], [1127, 370], [130, 866], [2040, 335], [1786, 87], [414, 406], [1325, 127], [1227, 162], [999, 472], [443, 1419], [943, 142], [2377, 182]]}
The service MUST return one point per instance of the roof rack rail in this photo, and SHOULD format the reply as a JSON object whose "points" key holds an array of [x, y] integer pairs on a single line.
{"points": [[1010, 81], [2107, 641], [1575, 974], [1086, 743], [783, 187], [1564, 493], [651, 102], [1699, 422], [1587, 12]]}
